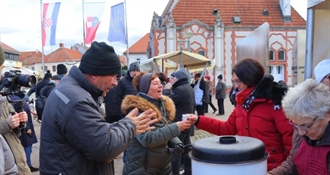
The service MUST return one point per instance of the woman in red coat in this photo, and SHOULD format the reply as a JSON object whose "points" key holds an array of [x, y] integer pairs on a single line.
{"points": [[258, 112]]}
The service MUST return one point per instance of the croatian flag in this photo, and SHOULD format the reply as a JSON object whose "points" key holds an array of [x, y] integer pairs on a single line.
{"points": [[92, 24], [49, 21], [93, 13]]}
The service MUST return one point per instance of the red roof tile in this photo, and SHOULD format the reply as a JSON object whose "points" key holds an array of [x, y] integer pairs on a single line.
{"points": [[249, 11], [30, 57], [63, 55], [140, 47]]}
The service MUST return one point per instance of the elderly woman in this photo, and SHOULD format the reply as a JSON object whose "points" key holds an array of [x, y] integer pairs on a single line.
{"points": [[150, 152], [258, 112], [308, 108]]}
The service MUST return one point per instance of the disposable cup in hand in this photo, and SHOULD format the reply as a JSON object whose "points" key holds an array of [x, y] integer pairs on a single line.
{"points": [[185, 116]]}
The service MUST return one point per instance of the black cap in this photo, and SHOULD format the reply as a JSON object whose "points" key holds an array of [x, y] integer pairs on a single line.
{"points": [[100, 59]]}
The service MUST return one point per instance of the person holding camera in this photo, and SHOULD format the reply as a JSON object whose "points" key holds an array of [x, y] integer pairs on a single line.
{"points": [[9, 122], [36, 89]]}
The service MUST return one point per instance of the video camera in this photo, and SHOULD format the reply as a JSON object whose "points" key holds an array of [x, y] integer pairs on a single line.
{"points": [[10, 87]]}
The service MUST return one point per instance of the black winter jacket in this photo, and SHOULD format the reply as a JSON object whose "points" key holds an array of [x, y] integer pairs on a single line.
{"points": [[183, 96], [115, 98], [75, 138]]}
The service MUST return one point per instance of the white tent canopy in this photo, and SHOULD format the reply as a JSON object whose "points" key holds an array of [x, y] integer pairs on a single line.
{"points": [[191, 61], [22, 69]]}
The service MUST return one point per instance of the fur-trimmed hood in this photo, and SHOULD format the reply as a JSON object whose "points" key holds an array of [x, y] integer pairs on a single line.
{"points": [[135, 101], [269, 89]]}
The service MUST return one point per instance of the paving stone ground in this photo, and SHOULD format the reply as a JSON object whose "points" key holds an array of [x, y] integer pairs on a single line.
{"points": [[199, 134]]}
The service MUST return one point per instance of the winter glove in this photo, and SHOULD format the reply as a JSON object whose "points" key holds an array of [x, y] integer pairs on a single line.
{"points": [[177, 150]]}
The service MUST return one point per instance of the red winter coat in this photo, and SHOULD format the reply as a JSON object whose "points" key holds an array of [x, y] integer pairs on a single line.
{"points": [[260, 121]]}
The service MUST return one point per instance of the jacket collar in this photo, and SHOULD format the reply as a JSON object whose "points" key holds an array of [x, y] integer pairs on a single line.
{"points": [[76, 74], [180, 82]]}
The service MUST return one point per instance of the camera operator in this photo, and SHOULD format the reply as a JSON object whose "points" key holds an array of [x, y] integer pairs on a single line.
{"points": [[36, 89], [8, 122]]}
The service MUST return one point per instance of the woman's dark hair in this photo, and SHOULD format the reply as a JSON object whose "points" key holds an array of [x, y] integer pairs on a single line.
{"points": [[249, 71], [137, 78], [162, 77]]}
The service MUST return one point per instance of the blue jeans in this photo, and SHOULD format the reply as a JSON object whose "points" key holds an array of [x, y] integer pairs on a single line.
{"points": [[176, 160], [28, 151]]}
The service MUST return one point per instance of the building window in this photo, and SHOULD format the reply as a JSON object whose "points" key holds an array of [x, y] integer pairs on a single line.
{"points": [[271, 55], [201, 52], [32, 67], [54, 68], [281, 55], [45, 68]]}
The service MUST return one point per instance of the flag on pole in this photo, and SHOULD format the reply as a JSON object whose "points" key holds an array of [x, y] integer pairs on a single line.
{"points": [[49, 22], [117, 30], [93, 12]]}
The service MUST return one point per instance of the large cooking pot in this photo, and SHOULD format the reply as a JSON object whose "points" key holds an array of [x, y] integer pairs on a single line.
{"points": [[229, 155]]}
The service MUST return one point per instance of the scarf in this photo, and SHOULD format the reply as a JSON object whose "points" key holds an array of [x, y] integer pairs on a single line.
{"points": [[242, 96]]}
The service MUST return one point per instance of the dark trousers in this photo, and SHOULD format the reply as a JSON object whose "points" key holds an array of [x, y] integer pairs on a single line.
{"points": [[200, 110], [221, 107], [176, 159], [211, 104], [39, 112]]}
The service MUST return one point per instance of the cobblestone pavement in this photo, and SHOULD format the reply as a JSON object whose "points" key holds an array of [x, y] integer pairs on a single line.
{"points": [[199, 134]]}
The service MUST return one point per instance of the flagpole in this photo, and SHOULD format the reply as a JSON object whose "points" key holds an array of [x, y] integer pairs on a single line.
{"points": [[127, 58], [83, 16], [42, 48]]}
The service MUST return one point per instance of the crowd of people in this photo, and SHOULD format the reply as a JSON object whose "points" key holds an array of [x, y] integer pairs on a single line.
{"points": [[143, 118]]}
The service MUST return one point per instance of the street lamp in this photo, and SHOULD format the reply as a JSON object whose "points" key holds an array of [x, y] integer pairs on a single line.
{"points": [[181, 42], [188, 35]]}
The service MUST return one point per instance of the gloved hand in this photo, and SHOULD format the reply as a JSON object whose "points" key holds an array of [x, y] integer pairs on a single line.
{"points": [[177, 150]]}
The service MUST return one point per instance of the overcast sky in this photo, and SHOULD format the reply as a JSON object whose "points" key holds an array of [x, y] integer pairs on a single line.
{"points": [[20, 22]]}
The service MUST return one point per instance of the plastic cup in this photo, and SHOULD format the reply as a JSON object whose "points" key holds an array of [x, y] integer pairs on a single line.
{"points": [[185, 116]]}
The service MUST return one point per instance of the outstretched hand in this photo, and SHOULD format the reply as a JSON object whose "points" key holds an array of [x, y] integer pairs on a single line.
{"points": [[185, 124], [143, 121]]}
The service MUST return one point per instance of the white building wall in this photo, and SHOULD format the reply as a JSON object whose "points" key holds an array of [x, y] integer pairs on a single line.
{"points": [[137, 57]]}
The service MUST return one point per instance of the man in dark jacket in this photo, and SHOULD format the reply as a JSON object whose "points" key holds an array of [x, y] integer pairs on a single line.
{"points": [[183, 96], [36, 89], [75, 138], [45, 91], [116, 96]]}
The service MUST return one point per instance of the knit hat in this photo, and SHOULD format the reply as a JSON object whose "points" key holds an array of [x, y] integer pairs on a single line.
{"points": [[180, 74], [321, 70], [61, 69], [208, 77], [144, 83], [56, 77], [220, 76], [48, 75], [2, 56], [134, 66], [100, 59]]}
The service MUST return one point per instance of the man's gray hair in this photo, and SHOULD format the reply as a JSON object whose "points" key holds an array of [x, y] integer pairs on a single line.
{"points": [[307, 99]]}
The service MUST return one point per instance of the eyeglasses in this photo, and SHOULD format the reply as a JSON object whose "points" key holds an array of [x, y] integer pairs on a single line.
{"points": [[236, 82], [305, 128]]}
